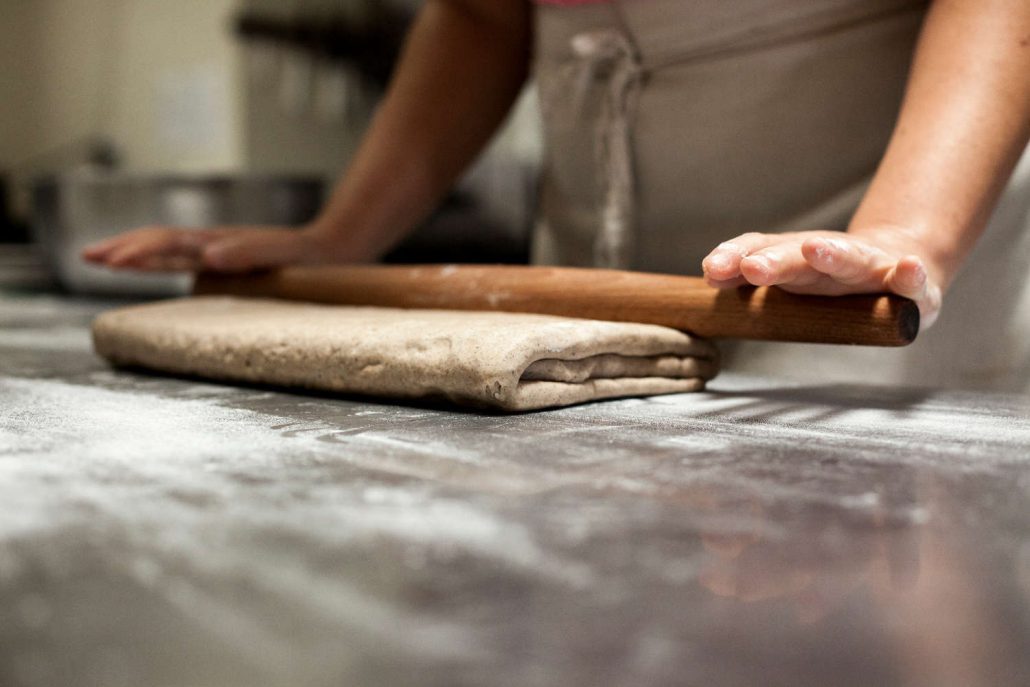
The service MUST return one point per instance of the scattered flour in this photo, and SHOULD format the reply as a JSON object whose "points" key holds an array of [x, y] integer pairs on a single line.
{"points": [[49, 339], [122, 453]]}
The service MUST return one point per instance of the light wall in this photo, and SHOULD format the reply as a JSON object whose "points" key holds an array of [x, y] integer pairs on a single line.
{"points": [[178, 101], [53, 62], [160, 78], [171, 86], [294, 137]]}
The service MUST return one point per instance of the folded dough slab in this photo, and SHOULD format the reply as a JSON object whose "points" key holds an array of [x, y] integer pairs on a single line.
{"points": [[510, 361]]}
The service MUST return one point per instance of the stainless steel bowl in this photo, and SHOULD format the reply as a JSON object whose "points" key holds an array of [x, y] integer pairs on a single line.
{"points": [[73, 210]]}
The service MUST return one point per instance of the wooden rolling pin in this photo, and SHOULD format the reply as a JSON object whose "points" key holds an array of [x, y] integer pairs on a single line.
{"points": [[685, 303]]}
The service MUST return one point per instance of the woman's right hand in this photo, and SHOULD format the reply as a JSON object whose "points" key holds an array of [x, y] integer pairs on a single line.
{"points": [[219, 249]]}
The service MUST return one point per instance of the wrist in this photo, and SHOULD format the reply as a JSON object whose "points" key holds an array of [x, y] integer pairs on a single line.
{"points": [[901, 241], [338, 242]]}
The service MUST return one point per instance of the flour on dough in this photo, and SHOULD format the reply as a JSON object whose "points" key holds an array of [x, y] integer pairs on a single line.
{"points": [[510, 361]]}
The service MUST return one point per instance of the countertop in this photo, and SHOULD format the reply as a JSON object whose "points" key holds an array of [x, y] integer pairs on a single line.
{"points": [[166, 532]]}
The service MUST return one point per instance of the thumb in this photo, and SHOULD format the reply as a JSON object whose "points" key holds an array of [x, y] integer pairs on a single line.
{"points": [[909, 278]]}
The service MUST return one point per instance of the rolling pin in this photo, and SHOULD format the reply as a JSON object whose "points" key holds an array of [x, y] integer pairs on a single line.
{"points": [[685, 303]]}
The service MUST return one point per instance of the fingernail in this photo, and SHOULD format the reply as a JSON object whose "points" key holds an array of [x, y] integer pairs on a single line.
{"points": [[839, 244], [826, 251], [718, 261], [763, 262], [214, 256]]}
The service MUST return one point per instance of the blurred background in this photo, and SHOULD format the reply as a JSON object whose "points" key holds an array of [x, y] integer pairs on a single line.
{"points": [[117, 113]]}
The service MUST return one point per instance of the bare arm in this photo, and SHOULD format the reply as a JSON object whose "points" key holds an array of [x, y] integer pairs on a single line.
{"points": [[462, 69], [963, 124], [463, 65]]}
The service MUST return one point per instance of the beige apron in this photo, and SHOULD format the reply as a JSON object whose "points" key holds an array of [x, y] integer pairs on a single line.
{"points": [[673, 125]]}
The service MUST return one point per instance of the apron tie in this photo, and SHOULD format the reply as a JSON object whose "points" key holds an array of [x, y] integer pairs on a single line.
{"points": [[607, 54]]}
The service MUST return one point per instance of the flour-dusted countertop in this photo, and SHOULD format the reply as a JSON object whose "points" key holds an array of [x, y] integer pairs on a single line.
{"points": [[166, 532]]}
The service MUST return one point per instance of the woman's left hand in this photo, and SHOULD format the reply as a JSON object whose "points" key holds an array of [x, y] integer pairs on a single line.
{"points": [[830, 263]]}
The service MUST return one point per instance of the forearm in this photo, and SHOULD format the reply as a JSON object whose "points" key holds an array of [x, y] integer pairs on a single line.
{"points": [[462, 67], [963, 124]]}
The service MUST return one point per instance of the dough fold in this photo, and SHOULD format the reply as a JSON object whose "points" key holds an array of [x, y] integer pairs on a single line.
{"points": [[507, 361]]}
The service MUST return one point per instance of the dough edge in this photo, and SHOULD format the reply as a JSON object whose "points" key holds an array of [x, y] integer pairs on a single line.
{"points": [[167, 336]]}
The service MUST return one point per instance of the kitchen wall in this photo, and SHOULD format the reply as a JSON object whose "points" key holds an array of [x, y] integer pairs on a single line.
{"points": [[290, 123], [171, 86], [177, 93], [160, 79], [54, 58]]}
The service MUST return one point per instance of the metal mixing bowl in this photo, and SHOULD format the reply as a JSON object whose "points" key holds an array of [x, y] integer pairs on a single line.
{"points": [[73, 210]]}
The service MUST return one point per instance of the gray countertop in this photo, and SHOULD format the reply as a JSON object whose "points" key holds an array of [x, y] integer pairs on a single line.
{"points": [[161, 532]]}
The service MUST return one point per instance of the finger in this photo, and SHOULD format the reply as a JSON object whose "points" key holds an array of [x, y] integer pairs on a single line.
{"points": [[723, 263], [96, 252], [253, 250], [143, 249], [779, 264], [847, 262], [725, 283], [909, 278], [170, 263], [135, 251], [100, 251]]}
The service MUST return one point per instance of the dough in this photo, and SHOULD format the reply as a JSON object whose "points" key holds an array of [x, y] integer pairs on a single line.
{"points": [[509, 361]]}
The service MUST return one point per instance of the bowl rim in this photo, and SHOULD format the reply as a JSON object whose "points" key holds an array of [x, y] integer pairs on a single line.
{"points": [[172, 178]]}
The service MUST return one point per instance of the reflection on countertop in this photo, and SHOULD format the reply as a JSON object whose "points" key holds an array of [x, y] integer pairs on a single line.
{"points": [[158, 531]]}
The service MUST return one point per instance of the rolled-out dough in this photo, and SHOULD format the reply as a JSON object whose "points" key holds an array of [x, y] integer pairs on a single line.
{"points": [[510, 361]]}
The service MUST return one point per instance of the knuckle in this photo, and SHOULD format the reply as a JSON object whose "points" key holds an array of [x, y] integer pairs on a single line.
{"points": [[852, 277]]}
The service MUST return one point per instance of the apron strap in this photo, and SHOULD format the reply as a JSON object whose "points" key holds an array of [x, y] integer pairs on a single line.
{"points": [[609, 54]]}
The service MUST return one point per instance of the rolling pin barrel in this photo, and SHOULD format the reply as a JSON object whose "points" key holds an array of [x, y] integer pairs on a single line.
{"points": [[685, 303]]}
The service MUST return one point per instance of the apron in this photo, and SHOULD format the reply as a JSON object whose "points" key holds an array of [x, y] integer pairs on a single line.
{"points": [[671, 126]]}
